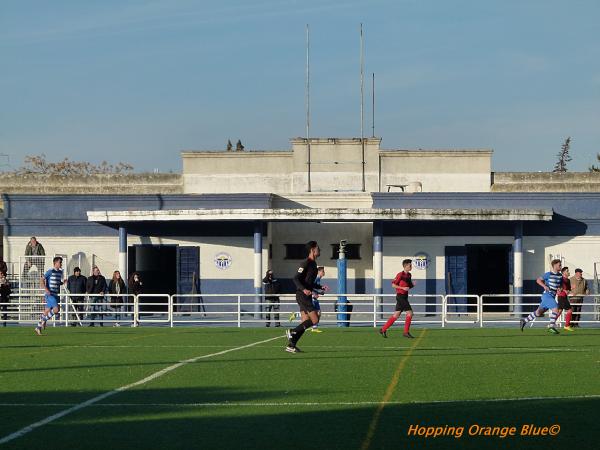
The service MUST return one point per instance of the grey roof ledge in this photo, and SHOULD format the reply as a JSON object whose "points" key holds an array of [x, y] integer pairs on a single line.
{"points": [[322, 214]]}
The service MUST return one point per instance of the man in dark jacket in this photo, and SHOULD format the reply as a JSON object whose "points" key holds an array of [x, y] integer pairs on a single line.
{"points": [[271, 290], [96, 284], [77, 284], [4, 295]]}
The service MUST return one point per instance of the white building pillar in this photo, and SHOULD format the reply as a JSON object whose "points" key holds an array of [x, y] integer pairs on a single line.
{"points": [[123, 252], [258, 244], [518, 266], [378, 261]]}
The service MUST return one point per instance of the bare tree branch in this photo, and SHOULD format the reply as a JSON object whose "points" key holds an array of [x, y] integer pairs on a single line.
{"points": [[37, 164]]}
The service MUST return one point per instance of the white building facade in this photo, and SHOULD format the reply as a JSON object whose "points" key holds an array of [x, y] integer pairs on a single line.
{"points": [[239, 213]]}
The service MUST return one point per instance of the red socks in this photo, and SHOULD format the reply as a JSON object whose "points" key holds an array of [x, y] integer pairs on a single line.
{"points": [[389, 323], [568, 317], [407, 321], [407, 324]]}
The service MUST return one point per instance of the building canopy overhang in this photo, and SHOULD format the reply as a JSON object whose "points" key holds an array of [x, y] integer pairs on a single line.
{"points": [[321, 214]]}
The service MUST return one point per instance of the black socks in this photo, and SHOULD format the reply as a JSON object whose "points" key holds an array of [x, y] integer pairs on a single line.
{"points": [[300, 329]]}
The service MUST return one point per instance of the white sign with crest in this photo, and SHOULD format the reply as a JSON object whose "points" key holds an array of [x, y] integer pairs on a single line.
{"points": [[223, 260]]}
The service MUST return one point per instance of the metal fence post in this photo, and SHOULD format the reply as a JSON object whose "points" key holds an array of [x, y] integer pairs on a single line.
{"points": [[239, 311], [171, 310], [374, 311], [444, 304], [480, 306], [66, 309]]}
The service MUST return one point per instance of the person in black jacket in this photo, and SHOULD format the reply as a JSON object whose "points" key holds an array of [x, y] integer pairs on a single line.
{"points": [[77, 284], [5, 292], [271, 290], [305, 285], [135, 284], [135, 287], [116, 287], [96, 285]]}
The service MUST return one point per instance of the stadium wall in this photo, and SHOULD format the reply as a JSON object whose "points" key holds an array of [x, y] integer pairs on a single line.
{"points": [[103, 251], [61, 224]]}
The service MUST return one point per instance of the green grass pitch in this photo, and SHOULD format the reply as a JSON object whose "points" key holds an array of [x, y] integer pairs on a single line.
{"points": [[350, 389]]}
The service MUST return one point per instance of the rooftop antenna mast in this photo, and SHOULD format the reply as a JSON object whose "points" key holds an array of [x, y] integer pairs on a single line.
{"points": [[362, 101], [373, 106], [308, 104]]}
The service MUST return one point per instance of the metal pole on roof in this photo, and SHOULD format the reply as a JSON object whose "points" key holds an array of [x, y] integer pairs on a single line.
{"points": [[373, 106], [308, 105], [362, 101]]}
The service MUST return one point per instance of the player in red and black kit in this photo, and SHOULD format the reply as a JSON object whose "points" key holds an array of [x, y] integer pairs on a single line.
{"points": [[563, 299], [402, 283], [305, 285]]}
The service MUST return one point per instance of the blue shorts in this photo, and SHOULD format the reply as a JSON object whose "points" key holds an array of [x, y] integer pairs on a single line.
{"points": [[548, 301], [316, 304], [51, 301]]}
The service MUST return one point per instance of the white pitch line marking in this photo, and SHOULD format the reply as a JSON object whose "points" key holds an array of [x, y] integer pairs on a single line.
{"points": [[101, 397]]}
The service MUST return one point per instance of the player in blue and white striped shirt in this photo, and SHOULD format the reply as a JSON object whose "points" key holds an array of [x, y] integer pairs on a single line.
{"points": [[51, 282], [552, 284]]}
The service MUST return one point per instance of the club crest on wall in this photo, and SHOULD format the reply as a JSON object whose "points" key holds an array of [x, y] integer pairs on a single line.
{"points": [[421, 260], [223, 260]]}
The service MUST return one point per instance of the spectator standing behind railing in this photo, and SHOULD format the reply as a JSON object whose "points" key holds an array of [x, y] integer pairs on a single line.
{"points": [[579, 288], [135, 284], [4, 295], [116, 287], [77, 284], [34, 248], [272, 289], [135, 287], [96, 286]]}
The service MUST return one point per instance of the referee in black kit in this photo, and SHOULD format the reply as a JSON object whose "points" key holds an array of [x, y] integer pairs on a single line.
{"points": [[305, 284]]}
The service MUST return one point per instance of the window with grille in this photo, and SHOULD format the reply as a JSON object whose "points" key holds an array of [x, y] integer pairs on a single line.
{"points": [[295, 251]]}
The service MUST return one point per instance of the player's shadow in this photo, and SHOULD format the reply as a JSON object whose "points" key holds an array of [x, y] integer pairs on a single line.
{"points": [[221, 418], [50, 369], [170, 397]]}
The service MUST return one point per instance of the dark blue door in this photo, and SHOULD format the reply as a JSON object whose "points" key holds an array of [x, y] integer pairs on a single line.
{"points": [[456, 277], [188, 276]]}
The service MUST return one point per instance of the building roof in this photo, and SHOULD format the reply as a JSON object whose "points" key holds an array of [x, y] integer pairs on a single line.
{"points": [[320, 214]]}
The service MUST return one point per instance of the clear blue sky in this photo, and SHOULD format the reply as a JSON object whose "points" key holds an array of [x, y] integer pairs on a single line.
{"points": [[139, 81]]}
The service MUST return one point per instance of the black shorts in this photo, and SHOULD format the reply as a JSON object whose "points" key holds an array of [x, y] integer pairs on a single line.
{"points": [[304, 302], [402, 303], [564, 303]]}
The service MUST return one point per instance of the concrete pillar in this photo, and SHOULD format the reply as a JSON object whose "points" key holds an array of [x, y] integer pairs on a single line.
{"points": [[258, 237], [378, 260], [518, 266], [123, 252]]}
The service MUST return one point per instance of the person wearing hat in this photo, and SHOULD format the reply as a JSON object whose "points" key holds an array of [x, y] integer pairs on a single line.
{"points": [[76, 284], [579, 289]]}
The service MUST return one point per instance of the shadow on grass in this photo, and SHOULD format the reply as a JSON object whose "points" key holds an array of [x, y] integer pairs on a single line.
{"points": [[116, 424]]}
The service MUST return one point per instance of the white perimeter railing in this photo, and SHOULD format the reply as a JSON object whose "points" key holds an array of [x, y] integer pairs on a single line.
{"points": [[243, 309]]}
